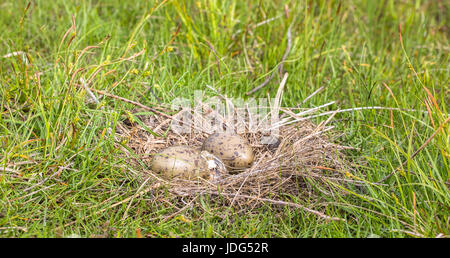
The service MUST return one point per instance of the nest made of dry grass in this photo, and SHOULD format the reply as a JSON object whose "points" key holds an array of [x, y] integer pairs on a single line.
{"points": [[304, 166]]}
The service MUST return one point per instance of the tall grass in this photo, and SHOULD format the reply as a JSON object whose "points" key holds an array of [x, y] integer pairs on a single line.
{"points": [[58, 163]]}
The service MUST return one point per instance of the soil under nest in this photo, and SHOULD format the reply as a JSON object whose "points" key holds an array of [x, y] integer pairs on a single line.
{"points": [[305, 165]]}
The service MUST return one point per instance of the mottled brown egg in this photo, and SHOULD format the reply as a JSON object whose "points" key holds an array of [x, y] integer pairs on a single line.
{"points": [[234, 150], [180, 161]]}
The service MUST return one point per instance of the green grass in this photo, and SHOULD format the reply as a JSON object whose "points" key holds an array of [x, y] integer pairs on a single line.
{"points": [[59, 166]]}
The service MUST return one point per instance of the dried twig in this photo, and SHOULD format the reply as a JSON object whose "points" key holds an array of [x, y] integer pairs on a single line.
{"points": [[215, 54], [130, 101], [131, 197], [312, 95], [11, 228], [22, 54], [32, 193], [139, 193], [152, 187], [89, 91], [150, 88], [417, 151], [277, 202], [180, 210], [60, 169]]}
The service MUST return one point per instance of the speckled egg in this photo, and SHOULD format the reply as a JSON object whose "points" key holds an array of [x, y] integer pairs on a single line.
{"points": [[180, 161], [234, 150]]}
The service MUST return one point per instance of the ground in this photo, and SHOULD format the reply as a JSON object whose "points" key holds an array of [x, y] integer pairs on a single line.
{"points": [[61, 172]]}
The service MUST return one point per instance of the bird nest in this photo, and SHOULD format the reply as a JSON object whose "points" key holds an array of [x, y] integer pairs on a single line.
{"points": [[304, 164]]}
